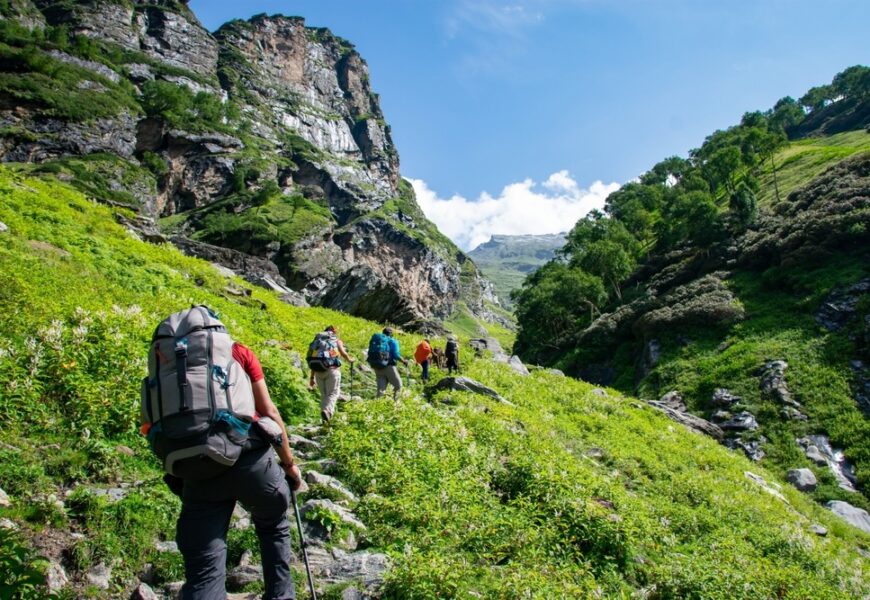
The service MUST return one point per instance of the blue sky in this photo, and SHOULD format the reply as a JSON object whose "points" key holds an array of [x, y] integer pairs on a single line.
{"points": [[518, 116]]}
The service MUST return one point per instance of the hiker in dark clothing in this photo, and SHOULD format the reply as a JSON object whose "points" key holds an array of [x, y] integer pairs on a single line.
{"points": [[257, 480], [451, 351]]}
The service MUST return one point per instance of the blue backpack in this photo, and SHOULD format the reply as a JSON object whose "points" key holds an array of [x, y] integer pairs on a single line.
{"points": [[379, 351]]}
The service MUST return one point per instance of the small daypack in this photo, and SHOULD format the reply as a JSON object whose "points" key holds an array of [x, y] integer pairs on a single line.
{"points": [[379, 351], [323, 352], [197, 397]]}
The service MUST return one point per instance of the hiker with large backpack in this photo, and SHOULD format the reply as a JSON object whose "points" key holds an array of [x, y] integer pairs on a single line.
{"points": [[383, 356], [201, 404], [451, 351], [423, 357], [324, 359]]}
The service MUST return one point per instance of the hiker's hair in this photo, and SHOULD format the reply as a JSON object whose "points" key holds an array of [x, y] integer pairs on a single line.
{"points": [[388, 331], [330, 328]]}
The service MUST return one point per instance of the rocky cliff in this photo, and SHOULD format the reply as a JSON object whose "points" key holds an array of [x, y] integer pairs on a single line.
{"points": [[264, 138]]}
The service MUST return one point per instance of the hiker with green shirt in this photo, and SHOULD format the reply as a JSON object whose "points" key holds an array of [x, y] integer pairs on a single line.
{"points": [[325, 365], [383, 356]]}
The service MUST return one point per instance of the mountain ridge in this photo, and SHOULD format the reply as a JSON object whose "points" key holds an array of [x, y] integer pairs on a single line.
{"points": [[264, 137]]}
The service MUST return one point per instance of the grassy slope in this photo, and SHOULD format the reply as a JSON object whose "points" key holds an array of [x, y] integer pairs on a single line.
{"points": [[800, 162], [780, 305], [469, 496]]}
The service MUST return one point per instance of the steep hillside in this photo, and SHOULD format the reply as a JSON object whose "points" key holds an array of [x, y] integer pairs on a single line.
{"points": [[552, 489], [507, 260], [732, 287], [261, 147]]}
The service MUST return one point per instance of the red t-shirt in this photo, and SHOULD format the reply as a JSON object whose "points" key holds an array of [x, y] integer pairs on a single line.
{"points": [[249, 361]]}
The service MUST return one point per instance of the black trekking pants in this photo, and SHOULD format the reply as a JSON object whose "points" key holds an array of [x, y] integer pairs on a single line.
{"points": [[258, 483]]}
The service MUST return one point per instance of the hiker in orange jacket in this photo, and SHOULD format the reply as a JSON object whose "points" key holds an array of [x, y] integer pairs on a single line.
{"points": [[423, 356]]}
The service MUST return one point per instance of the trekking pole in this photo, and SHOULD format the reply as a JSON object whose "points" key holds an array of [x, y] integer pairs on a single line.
{"points": [[302, 543], [351, 382]]}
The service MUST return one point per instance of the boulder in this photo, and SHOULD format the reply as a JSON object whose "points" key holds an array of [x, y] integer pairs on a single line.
{"points": [[841, 305], [744, 421], [814, 454], [802, 479], [168, 546], [8, 524], [465, 384], [4, 498], [819, 530], [244, 575], [517, 365], [858, 517], [100, 576], [773, 382], [723, 397], [332, 566], [3, 227], [346, 516], [143, 592], [689, 420], [55, 577], [752, 449], [315, 478], [304, 444], [673, 400]]}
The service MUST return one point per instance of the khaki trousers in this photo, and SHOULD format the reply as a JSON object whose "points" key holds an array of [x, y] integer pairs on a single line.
{"points": [[329, 384]]}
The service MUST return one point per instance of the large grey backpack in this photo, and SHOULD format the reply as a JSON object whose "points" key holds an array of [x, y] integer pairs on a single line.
{"points": [[197, 398]]}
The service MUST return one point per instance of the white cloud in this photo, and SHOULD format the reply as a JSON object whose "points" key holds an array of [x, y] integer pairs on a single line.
{"points": [[520, 208]]}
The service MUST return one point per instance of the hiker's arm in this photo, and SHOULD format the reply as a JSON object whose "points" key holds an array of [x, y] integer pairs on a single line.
{"points": [[343, 352], [311, 380], [266, 408]]}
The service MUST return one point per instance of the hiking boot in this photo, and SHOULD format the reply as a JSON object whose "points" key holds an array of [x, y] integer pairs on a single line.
{"points": [[324, 417]]}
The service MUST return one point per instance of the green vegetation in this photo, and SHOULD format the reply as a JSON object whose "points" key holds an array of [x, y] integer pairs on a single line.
{"points": [[506, 260], [30, 77], [564, 493], [272, 217], [570, 494], [107, 177]]}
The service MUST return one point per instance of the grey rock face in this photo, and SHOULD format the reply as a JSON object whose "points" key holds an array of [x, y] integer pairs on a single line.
{"points": [[773, 382], [802, 479], [344, 514], [853, 515], [840, 307], [689, 420], [752, 449], [860, 385], [315, 478], [465, 384], [100, 576], [143, 592], [744, 421], [517, 365], [724, 397], [842, 469], [338, 566], [814, 454], [55, 577], [55, 138], [673, 400], [297, 442]]}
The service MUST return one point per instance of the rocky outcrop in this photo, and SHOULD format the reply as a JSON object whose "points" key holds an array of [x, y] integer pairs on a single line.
{"points": [[310, 130], [465, 384], [689, 420], [857, 517]]}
